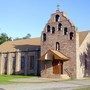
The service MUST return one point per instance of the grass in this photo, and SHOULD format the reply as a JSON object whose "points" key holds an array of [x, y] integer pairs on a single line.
{"points": [[9, 78], [86, 88]]}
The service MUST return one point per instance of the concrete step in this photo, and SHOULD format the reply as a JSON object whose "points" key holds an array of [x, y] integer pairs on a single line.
{"points": [[64, 76]]}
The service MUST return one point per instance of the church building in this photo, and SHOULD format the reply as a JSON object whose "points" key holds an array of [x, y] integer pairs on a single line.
{"points": [[61, 51]]}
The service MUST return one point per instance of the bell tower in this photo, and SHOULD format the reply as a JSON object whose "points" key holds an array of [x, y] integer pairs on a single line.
{"points": [[59, 34]]}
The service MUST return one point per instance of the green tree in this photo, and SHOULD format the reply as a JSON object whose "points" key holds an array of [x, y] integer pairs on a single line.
{"points": [[26, 37], [4, 37]]}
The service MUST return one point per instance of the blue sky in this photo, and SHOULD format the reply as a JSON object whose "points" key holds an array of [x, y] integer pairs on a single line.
{"points": [[19, 17]]}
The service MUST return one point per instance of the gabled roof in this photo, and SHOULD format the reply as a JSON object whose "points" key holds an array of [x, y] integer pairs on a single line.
{"points": [[56, 54], [10, 46], [82, 36]]}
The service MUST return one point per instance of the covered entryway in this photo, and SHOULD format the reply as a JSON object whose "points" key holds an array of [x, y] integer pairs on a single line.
{"points": [[57, 59]]}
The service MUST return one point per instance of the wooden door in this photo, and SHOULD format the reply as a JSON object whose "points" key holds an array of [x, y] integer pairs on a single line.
{"points": [[57, 67]]}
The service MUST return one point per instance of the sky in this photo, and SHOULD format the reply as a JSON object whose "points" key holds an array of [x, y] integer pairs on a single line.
{"points": [[20, 17]]}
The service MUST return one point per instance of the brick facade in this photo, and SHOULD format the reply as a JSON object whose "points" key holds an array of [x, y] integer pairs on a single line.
{"points": [[67, 46]]}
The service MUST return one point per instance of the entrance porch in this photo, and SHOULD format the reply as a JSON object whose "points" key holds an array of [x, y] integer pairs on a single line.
{"points": [[52, 64]]}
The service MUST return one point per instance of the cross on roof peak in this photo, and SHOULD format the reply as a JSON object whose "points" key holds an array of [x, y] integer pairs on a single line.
{"points": [[58, 6]]}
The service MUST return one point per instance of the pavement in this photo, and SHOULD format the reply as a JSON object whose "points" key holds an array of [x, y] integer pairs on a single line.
{"points": [[45, 84]]}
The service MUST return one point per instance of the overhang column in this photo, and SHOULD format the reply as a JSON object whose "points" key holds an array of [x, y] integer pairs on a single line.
{"points": [[18, 62], [26, 63], [1, 64], [9, 66]]}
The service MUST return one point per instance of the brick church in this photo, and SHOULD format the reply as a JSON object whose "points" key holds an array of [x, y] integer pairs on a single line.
{"points": [[61, 51]]}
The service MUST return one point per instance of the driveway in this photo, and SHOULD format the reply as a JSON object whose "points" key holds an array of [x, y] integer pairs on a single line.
{"points": [[45, 84]]}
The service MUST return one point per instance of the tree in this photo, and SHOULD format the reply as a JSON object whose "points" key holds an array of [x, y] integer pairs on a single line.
{"points": [[4, 37], [26, 37]]}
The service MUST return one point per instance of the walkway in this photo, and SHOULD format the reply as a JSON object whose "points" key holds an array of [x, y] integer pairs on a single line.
{"points": [[45, 84]]}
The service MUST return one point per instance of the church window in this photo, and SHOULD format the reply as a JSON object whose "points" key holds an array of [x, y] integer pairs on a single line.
{"points": [[48, 28], [31, 62], [44, 37], [85, 61], [22, 63], [57, 46], [57, 18], [59, 26], [71, 35], [65, 31], [53, 30]]}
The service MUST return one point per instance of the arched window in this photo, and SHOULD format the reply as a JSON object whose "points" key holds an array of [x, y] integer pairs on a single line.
{"points": [[57, 46], [71, 35], [44, 37], [53, 30], [57, 17], [48, 28], [59, 26], [65, 31]]}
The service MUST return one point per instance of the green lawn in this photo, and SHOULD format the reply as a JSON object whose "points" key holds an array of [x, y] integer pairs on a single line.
{"points": [[8, 78]]}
